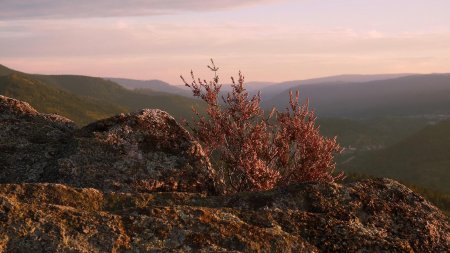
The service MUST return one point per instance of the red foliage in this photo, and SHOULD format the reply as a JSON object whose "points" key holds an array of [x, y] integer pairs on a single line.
{"points": [[253, 152]]}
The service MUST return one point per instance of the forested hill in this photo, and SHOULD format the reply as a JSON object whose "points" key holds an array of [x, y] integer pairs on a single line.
{"points": [[85, 98], [422, 159]]}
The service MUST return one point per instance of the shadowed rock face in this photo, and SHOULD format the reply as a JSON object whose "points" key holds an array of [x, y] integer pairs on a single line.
{"points": [[143, 151], [46, 205], [30, 142]]}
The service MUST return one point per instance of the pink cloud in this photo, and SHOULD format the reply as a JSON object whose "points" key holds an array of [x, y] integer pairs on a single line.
{"points": [[18, 9]]}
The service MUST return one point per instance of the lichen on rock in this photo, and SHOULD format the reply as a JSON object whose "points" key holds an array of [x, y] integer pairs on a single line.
{"points": [[142, 151], [138, 182], [366, 216]]}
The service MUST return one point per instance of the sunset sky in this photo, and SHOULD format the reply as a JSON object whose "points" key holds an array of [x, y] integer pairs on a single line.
{"points": [[269, 40]]}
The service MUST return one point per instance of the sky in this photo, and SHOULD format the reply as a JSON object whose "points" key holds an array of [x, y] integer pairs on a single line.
{"points": [[268, 40]]}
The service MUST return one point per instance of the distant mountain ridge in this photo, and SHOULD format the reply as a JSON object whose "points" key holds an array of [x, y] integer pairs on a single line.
{"points": [[153, 85], [270, 91], [94, 97], [402, 96], [348, 96], [52, 100]]}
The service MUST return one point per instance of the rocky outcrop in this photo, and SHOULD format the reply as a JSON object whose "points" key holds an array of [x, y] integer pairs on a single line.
{"points": [[139, 183], [143, 151], [29, 142], [365, 216]]}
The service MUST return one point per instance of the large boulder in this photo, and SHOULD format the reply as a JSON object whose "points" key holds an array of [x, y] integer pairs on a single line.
{"points": [[143, 151], [366, 216], [30, 142]]}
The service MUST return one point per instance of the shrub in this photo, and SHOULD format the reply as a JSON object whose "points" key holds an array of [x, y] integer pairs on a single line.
{"points": [[253, 151]]}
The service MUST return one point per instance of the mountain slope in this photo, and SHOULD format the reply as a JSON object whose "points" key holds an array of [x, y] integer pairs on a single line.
{"points": [[111, 92], [369, 134], [272, 90], [51, 100], [155, 85], [422, 159], [405, 96], [5, 70], [102, 97]]}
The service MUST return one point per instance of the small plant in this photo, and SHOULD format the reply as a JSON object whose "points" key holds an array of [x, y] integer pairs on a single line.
{"points": [[253, 151]]}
